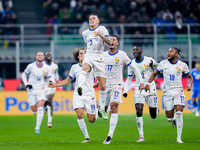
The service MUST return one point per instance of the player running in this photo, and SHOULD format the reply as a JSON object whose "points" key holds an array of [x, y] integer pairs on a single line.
{"points": [[196, 88], [145, 65], [37, 72], [95, 38], [50, 91], [173, 96], [114, 61], [85, 102]]}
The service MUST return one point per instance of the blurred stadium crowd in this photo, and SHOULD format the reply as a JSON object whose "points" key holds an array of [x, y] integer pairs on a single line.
{"points": [[125, 11]]}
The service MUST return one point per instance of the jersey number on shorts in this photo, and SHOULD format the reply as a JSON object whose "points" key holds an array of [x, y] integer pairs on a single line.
{"points": [[182, 99], [38, 79], [155, 99], [92, 107], [116, 94], [172, 77], [110, 67]]}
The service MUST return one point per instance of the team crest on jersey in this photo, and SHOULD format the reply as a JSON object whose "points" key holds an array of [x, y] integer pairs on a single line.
{"points": [[95, 33], [43, 72], [146, 66], [178, 69], [53, 70], [116, 60]]}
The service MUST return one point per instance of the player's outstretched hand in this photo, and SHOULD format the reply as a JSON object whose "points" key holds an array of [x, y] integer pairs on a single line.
{"points": [[28, 87], [188, 87], [141, 87], [51, 85], [96, 85], [125, 95]]}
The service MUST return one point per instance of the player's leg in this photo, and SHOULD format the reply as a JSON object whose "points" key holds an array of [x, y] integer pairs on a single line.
{"points": [[102, 96], [171, 117], [49, 107], [139, 120], [198, 106], [40, 115], [113, 121], [153, 106], [34, 109], [153, 112], [198, 103], [169, 109], [33, 103], [179, 121], [82, 124], [85, 69], [194, 101]]}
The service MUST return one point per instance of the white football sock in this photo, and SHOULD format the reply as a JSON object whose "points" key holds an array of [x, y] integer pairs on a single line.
{"points": [[179, 122], [83, 127], [113, 123], [39, 117], [96, 113], [102, 99], [49, 114], [139, 121], [81, 78]]}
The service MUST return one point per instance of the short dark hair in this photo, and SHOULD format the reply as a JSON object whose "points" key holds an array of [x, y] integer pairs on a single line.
{"points": [[76, 53], [115, 36], [138, 46]]}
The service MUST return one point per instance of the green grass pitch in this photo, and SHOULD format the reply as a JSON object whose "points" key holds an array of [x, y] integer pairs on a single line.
{"points": [[17, 133]]}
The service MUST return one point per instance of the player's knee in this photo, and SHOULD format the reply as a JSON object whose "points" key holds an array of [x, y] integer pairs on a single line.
{"points": [[153, 116], [92, 119], [103, 87], [80, 115], [139, 112], [114, 107], [49, 102]]}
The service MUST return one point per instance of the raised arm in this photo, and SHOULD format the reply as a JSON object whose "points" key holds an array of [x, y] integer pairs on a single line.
{"points": [[62, 83], [106, 39]]}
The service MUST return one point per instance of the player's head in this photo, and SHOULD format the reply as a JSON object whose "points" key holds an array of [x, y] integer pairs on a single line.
{"points": [[79, 54], [93, 20], [197, 65], [137, 51], [39, 56], [173, 53], [115, 42], [48, 56]]}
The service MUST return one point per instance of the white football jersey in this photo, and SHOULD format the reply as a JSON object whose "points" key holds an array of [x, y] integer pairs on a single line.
{"points": [[37, 75], [172, 73], [88, 89], [54, 71], [114, 66], [95, 44], [144, 68]]}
